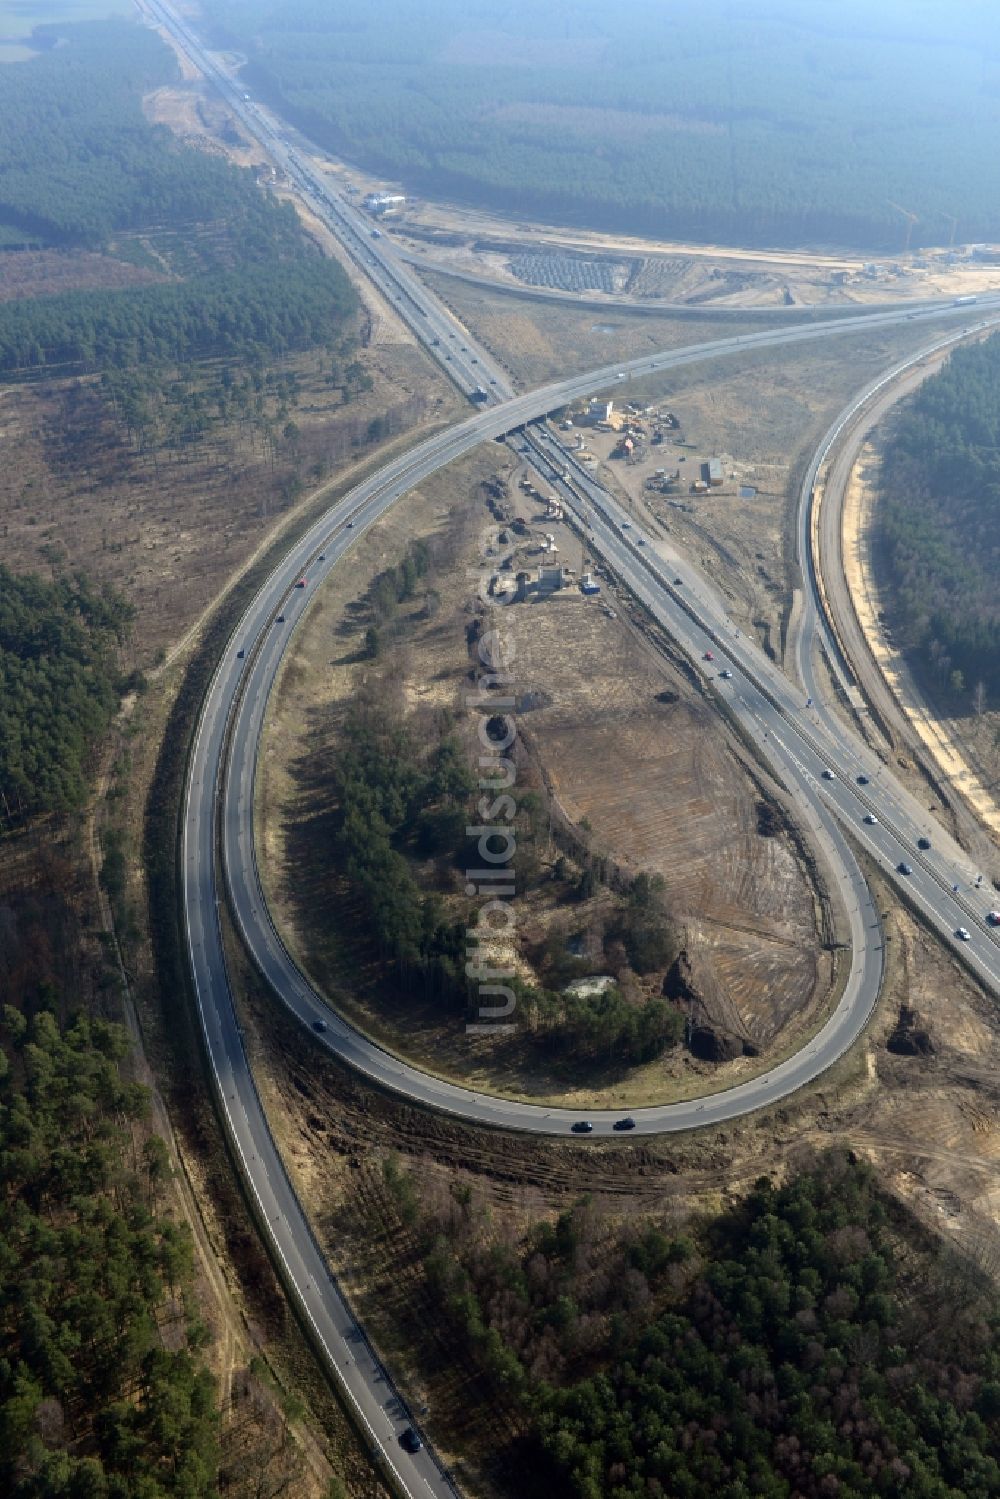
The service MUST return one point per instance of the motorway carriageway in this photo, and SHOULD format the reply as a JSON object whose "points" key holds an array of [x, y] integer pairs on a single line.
{"points": [[379, 1411], [759, 695]]}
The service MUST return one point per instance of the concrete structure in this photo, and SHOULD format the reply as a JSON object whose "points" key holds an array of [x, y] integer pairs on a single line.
{"points": [[600, 411], [383, 203], [550, 578], [712, 472]]}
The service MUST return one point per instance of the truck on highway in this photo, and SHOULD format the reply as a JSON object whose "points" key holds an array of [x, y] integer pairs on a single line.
{"points": [[967, 301], [478, 396]]}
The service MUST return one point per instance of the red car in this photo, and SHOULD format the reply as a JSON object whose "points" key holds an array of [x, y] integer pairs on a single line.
{"points": [[709, 656], [302, 583]]}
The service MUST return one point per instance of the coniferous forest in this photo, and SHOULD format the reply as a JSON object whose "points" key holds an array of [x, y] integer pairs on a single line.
{"points": [[59, 686], [704, 119], [94, 1399], [278, 309], [939, 524], [81, 166], [79, 160], [801, 1344]]}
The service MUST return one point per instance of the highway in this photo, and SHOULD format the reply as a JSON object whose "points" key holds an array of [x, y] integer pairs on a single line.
{"points": [[392, 270], [821, 520], [218, 802], [658, 306], [236, 701], [466, 364], [801, 743], [861, 785]]}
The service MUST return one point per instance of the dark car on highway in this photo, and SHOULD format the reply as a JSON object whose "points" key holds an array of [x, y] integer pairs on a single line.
{"points": [[410, 1441], [627, 1123], [923, 843], [904, 869], [583, 1127]]}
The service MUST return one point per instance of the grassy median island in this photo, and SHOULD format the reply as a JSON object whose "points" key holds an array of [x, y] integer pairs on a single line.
{"points": [[610, 950]]}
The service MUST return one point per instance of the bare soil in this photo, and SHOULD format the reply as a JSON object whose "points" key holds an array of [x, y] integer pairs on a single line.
{"points": [[172, 532], [763, 415], [541, 341], [962, 746], [930, 1124], [657, 786], [481, 244], [198, 116], [663, 791]]}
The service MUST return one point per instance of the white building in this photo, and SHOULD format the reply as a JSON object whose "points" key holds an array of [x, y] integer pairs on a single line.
{"points": [[382, 203], [600, 411]]}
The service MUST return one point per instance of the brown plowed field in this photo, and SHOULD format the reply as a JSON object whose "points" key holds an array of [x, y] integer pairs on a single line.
{"points": [[661, 785], [663, 791]]}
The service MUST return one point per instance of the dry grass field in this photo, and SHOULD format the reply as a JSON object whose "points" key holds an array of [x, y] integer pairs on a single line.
{"points": [[656, 786], [541, 341], [169, 530], [764, 416], [662, 790]]}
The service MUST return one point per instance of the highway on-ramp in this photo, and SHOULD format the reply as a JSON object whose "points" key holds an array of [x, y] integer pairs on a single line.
{"points": [[232, 711], [838, 626], [604, 302], [219, 793]]}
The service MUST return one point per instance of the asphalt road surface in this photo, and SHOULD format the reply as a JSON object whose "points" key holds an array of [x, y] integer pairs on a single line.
{"points": [[658, 306], [795, 740], [798, 742], [837, 626], [801, 742]]}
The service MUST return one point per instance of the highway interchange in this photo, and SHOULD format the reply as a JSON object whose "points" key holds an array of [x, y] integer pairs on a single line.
{"points": [[799, 742]]}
